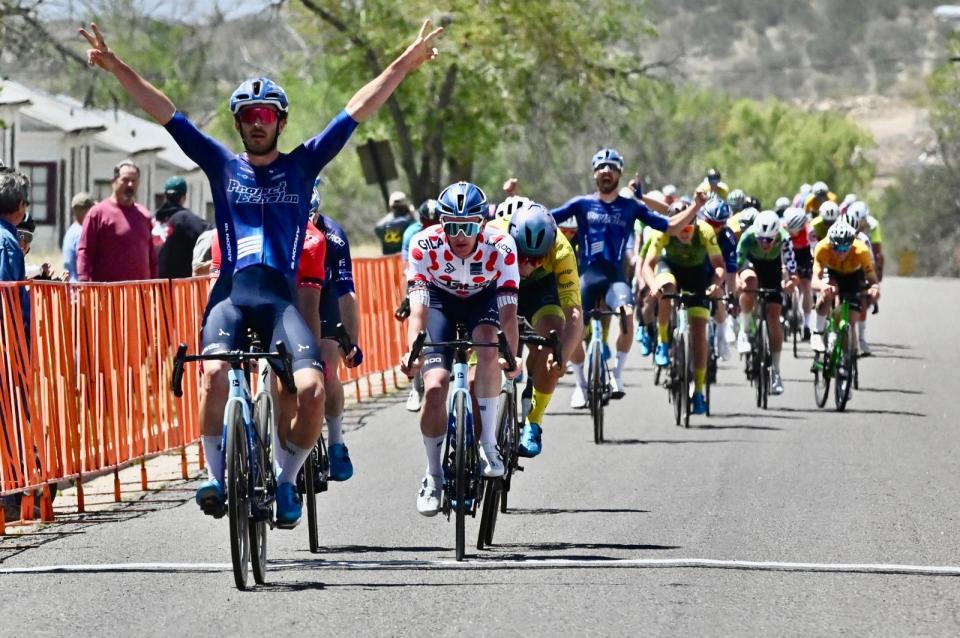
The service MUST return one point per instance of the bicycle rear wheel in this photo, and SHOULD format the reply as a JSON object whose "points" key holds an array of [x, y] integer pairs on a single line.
{"points": [[686, 380], [238, 503], [677, 364], [460, 476], [316, 465], [508, 437], [841, 391], [821, 379], [597, 386], [492, 489]]}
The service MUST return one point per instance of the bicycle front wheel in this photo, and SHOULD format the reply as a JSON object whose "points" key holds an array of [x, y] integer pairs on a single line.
{"points": [[821, 379], [678, 362], [841, 391], [687, 378], [597, 387], [263, 484], [238, 503], [460, 476]]}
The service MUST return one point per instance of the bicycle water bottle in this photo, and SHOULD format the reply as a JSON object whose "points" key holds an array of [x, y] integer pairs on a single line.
{"points": [[681, 321]]}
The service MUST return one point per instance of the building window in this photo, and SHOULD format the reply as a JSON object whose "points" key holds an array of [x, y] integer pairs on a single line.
{"points": [[43, 190]]}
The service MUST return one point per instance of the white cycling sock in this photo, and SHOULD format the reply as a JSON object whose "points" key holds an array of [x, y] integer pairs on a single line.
{"points": [[213, 455], [434, 447], [290, 461], [821, 322], [862, 330], [621, 359], [807, 316], [488, 419], [334, 429], [776, 361], [720, 331], [578, 370]]}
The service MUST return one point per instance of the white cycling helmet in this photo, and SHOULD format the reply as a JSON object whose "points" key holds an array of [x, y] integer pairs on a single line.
{"points": [[829, 211], [766, 225], [820, 189], [669, 190], [794, 219], [782, 204], [841, 234], [509, 206], [859, 211], [747, 215]]}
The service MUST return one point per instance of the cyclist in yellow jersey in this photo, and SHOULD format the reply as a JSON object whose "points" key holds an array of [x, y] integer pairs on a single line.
{"points": [[819, 194], [549, 299], [711, 185], [673, 263], [841, 265]]}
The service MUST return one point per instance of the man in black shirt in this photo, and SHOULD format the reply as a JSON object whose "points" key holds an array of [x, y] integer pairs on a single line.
{"points": [[183, 227]]}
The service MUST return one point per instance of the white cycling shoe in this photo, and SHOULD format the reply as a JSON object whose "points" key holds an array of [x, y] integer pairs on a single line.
{"points": [[428, 499], [723, 349], [578, 400], [413, 400], [743, 342], [816, 342], [776, 384], [490, 463]]}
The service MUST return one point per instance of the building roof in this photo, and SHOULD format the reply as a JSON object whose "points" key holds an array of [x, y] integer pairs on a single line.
{"points": [[115, 129]]}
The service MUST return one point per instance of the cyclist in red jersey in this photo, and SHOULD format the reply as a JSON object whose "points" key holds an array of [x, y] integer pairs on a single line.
{"points": [[796, 223]]}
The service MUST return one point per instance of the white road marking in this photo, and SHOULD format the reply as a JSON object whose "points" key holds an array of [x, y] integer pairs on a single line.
{"points": [[527, 563]]}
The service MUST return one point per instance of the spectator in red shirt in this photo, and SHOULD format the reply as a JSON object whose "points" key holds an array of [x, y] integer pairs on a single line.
{"points": [[115, 243]]}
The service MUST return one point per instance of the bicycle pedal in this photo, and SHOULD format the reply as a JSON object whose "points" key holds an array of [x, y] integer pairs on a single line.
{"points": [[519, 468]]}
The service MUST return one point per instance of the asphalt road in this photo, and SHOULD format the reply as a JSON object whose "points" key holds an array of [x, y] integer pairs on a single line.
{"points": [[811, 514]]}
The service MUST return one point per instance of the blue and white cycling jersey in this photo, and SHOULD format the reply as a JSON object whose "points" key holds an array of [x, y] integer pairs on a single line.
{"points": [[339, 265], [602, 228], [408, 234], [261, 211]]}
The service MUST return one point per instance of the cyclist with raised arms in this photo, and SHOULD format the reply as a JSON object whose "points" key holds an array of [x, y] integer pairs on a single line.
{"points": [[549, 299], [604, 219], [261, 200], [765, 260], [460, 271], [841, 266], [676, 264]]}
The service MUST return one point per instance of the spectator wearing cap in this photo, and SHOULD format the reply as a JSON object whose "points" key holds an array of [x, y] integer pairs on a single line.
{"points": [[713, 186], [79, 205], [390, 229], [115, 243], [14, 191], [183, 227]]}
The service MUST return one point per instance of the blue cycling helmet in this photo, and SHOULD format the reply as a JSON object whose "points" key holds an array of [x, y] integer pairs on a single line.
{"points": [[462, 199], [608, 156], [716, 210], [533, 229], [263, 91]]}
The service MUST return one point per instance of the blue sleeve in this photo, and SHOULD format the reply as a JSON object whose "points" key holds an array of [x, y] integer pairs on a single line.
{"points": [[70, 255], [566, 211], [650, 218], [320, 149], [408, 234], [208, 153], [344, 267], [729, 248]]}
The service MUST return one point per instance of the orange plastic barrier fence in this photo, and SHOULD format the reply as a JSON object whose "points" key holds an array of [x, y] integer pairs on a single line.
{"points": [[89, 392]]}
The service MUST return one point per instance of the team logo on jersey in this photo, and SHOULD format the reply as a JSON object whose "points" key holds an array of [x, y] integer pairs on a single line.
{"points": [[429, 242], [476, 268], [392, 237], [448, 268], [257, 195]]}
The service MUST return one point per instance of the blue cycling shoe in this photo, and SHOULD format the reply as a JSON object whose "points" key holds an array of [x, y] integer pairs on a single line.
{"points": [[662, 355], [699, 404], [642, 336], [530, 440], [606, 351], [289, 507], [340, 466], [211, 498]]}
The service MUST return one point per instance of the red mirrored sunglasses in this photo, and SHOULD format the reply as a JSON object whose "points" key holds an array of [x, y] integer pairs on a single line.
{"points": [[253, 114]]}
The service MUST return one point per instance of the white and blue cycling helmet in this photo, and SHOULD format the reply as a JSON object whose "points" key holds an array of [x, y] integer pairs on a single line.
{"points": [[608, 156], [259, 91], [462, 199]]}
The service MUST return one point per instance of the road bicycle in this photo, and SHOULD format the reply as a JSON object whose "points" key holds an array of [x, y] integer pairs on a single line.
{"points": [[792, 320], [248, 432], [839, 361], [598, 374], [509, 424], [759, 361], [463, 484], [679, 378]]}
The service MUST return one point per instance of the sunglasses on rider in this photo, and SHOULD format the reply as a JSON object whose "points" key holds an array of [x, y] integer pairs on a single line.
{"points": [[253, 114], [842, 248], [467, 229], [607, 165], [765, 240]]}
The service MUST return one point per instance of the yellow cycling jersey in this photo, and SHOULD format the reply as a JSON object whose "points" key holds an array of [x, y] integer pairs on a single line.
{"points": [[856, 259], [702, 245], [734, 224], [561, 262], [819, 227], [873, 230], [812, 205], [721, 189]]}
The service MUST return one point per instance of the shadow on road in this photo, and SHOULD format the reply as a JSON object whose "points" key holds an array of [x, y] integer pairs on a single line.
{"points": [[850, 410], [556, 510], [753, 415], [735, 427], [664, 441], [375, 549], [561, 546], [892, 390]]}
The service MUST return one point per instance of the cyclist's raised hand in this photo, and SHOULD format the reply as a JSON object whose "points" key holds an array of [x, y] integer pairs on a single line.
{"points": [[421, 49], [700, 198], [100, 55], [511, 187]]}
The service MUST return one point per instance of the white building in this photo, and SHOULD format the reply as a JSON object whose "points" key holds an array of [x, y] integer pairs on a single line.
{"points": [[65, 148]]}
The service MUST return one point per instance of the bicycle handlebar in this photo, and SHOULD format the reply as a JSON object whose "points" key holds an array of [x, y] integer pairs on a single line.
{"points": [[342, 337], [501, 345], [234, 357], [551, 341]]}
